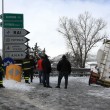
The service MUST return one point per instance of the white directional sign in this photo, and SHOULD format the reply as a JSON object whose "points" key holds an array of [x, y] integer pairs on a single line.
{"points": [[16, 47], [15, 40], [15, 32], [15, 55]]}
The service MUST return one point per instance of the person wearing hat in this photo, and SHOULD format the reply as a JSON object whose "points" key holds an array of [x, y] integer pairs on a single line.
{"points": [[64, 68]]}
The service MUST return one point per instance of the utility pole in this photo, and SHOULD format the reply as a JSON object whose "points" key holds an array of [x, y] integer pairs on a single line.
{"points": [[2, 29]]}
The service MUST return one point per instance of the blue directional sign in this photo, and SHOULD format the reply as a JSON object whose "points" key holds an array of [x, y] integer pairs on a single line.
{"points": [[7, 61]]}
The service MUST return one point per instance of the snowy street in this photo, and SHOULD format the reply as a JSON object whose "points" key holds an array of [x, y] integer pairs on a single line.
{"points": [[78, 96]]}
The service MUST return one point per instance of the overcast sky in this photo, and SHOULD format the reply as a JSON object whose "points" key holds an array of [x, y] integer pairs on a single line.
{"points": [[41, 18]]}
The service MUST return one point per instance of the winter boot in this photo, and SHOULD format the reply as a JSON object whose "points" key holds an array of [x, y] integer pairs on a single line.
{"points": [[57, 87], [1, 86]]}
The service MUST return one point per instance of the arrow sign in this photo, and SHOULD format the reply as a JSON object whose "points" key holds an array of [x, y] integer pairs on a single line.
{"points": [[15, 40], [16, 47], [15, 55], [15, 32]]}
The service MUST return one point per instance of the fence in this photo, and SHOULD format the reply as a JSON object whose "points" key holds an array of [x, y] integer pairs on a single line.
{"points": [[74, 72]]}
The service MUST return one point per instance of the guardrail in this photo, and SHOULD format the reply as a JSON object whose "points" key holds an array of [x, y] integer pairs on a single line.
{"points": [[74, 71]]}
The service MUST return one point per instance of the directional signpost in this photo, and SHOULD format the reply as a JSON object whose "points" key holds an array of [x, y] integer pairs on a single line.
{"points": [[14, 36], [15, 40], [17, 47], [15, 32], [12, 20], [15, 55]]}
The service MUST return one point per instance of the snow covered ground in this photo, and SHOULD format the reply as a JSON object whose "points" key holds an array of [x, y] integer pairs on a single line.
{"points": [[78, 96], [11, 84]]}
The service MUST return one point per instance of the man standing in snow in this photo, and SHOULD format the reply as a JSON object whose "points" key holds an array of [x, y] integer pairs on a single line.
{"points": [[46, 71], [64, 68]]}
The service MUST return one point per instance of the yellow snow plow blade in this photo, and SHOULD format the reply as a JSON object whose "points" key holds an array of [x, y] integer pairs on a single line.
{"points": [[104, 83]]}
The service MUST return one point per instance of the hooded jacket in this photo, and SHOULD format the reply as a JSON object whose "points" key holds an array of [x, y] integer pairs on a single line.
{"points": [[64, 65], [46, 65]]}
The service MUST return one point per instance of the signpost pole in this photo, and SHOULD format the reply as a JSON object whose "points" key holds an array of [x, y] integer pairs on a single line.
{"points": [[2, 29]]}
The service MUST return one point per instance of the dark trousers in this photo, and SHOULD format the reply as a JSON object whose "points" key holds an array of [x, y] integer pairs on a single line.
{"points": [[46, 79], [40, 76], [60, 76], [1, 79], [26, 75], [31, 74]]}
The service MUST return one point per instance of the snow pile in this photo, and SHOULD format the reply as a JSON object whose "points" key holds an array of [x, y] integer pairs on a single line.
{"points": [[11, 84]]}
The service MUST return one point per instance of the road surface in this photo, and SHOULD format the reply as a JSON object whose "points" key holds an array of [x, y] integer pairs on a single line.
{"points": [[77, 97]]}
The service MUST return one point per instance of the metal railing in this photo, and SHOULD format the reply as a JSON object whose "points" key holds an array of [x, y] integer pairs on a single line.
{"points": [[74, 72]]}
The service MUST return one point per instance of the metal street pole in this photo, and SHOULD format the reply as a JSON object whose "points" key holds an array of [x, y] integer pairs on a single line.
{"points": [[2, 29]]}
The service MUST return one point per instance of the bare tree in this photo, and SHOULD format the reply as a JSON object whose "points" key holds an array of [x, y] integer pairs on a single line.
{"points": [[81, 35]]}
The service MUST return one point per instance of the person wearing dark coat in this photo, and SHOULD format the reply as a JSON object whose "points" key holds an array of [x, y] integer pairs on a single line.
{"points": [[64, 68], [26, 66], [1, 73], [46, 71]]}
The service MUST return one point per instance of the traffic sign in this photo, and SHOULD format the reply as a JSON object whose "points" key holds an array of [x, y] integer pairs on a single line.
{"points": [[12, 16], [17, 40], [15, 32], [16, 47], [12, 25], [15, 55], [7, 61], [12, 20]]}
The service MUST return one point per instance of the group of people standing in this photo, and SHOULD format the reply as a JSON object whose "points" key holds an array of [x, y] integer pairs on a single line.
{"points": [[43, 66], [44, 69]]}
